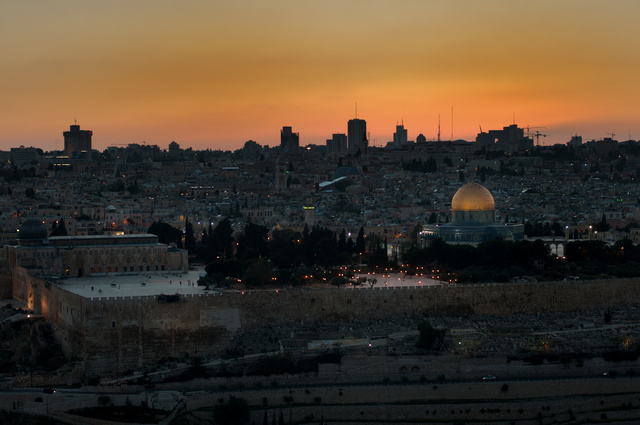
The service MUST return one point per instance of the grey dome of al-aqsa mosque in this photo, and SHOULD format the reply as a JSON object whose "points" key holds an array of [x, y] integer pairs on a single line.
{"points": [[473, 220], [32, 232]]}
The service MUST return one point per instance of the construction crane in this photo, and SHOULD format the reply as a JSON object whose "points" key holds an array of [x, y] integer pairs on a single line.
{"points": [[529, 128], [612, 135], [537, 135]]}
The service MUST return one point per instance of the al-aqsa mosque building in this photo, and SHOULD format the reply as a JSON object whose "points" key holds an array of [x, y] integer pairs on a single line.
{"points": [[473, 220]]}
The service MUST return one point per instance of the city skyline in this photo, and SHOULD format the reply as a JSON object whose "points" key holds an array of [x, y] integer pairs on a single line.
{"points": [[214, 75]]}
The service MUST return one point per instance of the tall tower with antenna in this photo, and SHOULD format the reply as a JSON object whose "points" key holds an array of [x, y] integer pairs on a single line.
{"points": [[357, 134], [77, 143], [400, 136]]}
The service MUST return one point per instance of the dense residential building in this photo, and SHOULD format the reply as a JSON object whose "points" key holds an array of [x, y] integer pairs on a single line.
{"points": [[391, 195]]}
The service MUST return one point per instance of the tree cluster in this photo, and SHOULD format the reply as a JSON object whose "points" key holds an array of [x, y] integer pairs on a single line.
{"points": [[58, 228], [491, 261], [500, 261], [166, 233], [594, 258], [256, 258], [429, 338], [416, 164], [543, 229], [216, 243]]}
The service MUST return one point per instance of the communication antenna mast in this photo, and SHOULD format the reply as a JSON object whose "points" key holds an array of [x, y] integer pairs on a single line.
{"points": [[452, 123], [438, 127], [356, 109]]}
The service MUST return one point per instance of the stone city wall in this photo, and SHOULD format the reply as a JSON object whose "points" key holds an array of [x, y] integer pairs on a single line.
{"points": [[264, 308], [62, 309], [6, 286], [137, 331], [122, 333]]}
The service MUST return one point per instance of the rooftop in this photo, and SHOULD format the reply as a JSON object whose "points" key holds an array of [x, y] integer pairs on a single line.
{"points": [[136, 285]]}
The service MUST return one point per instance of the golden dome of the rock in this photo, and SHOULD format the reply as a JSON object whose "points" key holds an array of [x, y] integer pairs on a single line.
{"points": [[472, 197]]}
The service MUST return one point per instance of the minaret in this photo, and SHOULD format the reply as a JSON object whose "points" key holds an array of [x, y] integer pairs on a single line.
{"points": [[281, 175], [309, 213]]}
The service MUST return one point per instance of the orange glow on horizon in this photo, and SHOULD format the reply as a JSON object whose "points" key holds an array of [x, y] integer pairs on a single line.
{"points": [[210, 75]]}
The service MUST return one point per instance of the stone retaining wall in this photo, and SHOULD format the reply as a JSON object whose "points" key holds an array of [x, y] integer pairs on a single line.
{"points": [[118, 334]]}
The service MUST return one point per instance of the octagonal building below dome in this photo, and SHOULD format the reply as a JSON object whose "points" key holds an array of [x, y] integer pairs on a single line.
{"points": [[473, 220]]}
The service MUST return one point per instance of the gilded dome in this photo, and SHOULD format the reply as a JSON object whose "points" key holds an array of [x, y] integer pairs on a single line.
{"points": [[472, 197]]}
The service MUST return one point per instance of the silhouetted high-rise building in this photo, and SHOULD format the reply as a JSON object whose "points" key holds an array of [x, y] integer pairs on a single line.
{"points": [[289, 141], [357, 135], [510, 139], [400, 136], [575, 141], [77, 143], [337, 143]]}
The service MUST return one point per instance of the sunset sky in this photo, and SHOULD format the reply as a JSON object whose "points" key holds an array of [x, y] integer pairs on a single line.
{"points": [[214, 74]]}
